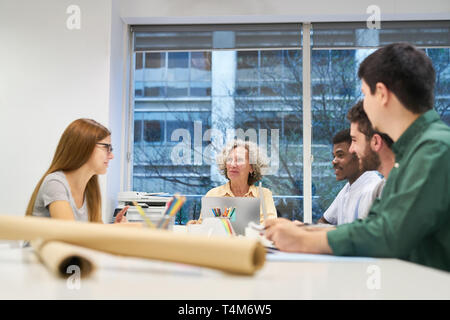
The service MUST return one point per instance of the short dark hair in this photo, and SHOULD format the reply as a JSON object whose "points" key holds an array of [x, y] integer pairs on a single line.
{"points": [[342, 136], [356, 114], [404, 70]]}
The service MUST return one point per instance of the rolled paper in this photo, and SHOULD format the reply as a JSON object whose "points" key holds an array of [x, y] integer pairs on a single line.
{"points": [[60, 258], [236, 255]]}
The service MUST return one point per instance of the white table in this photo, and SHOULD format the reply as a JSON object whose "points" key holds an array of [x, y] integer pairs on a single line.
{"points": [[22, 276]]}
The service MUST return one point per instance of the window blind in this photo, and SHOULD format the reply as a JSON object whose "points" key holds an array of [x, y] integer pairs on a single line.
{"points": [[356, 34], [216, 37]]}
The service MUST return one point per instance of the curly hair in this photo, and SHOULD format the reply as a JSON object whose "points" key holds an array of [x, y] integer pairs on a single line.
{"points": [[258, 160]]}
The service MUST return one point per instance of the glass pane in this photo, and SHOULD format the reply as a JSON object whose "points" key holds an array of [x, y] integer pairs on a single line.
{"points": [[200, 67], [200, 89], [177, 89], [176, 153], [153, 131], [267, 110], [154, 60], [335, 89], [293, 68], [271, 89], [154, 89], [178, 59], [138, 60], [247, 65], [178, 70], [201, 60], [137, 130], [271, 65], [247, 88], [292, 130], [441, 62], [138, 88], [258, 93], [139, 71]]}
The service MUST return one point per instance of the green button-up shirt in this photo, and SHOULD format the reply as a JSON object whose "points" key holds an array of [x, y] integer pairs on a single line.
{"points": [[412, 220]]}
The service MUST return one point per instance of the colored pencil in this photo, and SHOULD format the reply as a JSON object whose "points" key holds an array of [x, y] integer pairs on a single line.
{"points": [[142, 213], [232, 212], [178, 203]]}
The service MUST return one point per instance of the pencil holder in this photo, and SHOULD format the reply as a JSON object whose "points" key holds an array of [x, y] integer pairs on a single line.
{"points": [[227, 225], [216, 226], [227, 213], [163, 222]]}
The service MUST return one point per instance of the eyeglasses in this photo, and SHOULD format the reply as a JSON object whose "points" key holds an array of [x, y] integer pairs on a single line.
{"points": [[107, 146], [239, 161]]}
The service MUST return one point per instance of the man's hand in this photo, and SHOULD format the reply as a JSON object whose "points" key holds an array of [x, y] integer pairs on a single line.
{"points": [[285, 234], [292, 237], [298, 223]]}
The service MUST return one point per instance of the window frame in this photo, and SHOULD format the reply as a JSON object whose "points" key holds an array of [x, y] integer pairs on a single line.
{"points": [[306, 48]]}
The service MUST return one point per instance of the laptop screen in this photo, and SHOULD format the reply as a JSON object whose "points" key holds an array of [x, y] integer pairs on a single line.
{"points": [[246, 209]]}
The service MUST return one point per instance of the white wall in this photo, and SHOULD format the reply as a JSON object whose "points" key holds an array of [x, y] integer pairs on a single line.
{"points": [[252, 11], [50, 76], [118, 115]]}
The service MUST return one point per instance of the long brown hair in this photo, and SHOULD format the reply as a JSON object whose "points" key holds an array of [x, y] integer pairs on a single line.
{"points": [[74, 149]]}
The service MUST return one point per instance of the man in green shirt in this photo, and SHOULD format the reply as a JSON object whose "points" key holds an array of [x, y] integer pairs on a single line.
{"points": [[412, 220]]}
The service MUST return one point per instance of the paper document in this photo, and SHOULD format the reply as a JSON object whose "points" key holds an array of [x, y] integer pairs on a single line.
{"points": [[261, 197], [307, 257]]}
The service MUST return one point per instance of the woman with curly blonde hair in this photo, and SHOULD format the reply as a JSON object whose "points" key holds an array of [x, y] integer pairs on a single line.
{"points": [[243, 164]]}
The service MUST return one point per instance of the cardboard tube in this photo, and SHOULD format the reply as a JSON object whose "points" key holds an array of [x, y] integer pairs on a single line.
{"points": [[236, 255], [61, 258]]}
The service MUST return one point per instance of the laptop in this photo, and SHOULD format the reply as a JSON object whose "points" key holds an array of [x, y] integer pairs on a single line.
{"points": [[247, 209]]}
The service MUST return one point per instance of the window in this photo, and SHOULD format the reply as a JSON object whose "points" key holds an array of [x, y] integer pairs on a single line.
{"points": [[335, 90], [185, 90], [172, 74], [337, 51], [153, 130], [441, 62], [191, 80]]}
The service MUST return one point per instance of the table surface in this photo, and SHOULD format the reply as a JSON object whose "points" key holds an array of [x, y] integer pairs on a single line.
{"points": [[284, 276]]}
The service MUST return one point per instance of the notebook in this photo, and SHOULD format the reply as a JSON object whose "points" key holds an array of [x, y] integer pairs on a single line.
{"points": [[247, 209]]}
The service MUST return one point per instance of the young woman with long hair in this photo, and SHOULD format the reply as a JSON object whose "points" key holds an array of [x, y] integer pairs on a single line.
{"points": [[69, 189]]}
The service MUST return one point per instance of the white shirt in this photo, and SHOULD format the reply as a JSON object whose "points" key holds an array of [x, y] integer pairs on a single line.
{"points": [[379, 189], [354, 201]]}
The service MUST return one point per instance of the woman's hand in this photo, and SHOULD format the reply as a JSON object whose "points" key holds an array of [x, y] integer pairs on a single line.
{"points": [[192, 222], [120, 218]]}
